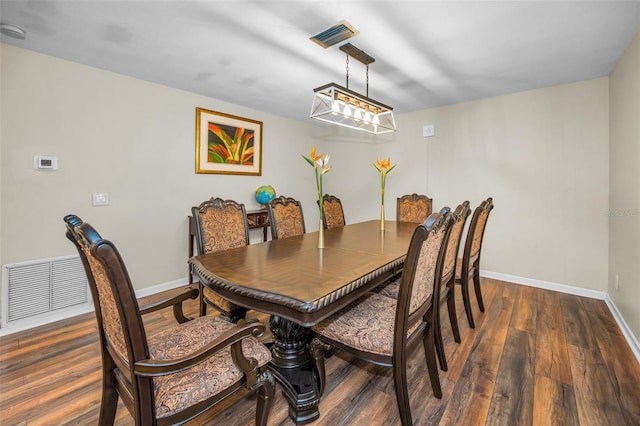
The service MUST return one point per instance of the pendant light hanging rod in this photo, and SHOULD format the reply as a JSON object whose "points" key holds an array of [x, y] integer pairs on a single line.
{"points": [[359, 55], [347, 70]]}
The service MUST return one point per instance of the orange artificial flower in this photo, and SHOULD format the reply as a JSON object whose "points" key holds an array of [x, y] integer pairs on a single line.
{"points": [[384, 166]]}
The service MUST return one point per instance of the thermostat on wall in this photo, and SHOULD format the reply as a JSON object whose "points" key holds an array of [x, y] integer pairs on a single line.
{"points": [[45, 162]]}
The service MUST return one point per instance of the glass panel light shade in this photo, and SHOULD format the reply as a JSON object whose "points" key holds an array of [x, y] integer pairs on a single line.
{"points": [[338, 105]]}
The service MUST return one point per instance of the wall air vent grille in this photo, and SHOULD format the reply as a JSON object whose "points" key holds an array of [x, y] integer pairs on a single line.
{"points": [[43, 287]]}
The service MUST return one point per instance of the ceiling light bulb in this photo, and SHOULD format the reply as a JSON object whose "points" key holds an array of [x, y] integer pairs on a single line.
{"points": [[335, 107], [347, 110], [376, 120], [367, 117], [357, 115]]}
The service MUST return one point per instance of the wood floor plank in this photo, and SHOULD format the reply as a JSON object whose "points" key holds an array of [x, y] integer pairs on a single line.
{"points": [[69, 367], [552, 355], [472, 394], [525, 310], [512, 401], [457, 354], [621, 364], [595, 394], [576, 323], [32, 354], [554, 403], [342, 406]]}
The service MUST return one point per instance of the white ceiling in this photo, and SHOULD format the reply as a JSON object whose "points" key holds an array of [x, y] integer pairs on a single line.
{"points": [[258, 53]]}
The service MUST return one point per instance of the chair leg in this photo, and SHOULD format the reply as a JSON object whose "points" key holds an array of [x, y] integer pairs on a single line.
{"points": [[476, 285], [266, 391], [201, 302], [467, 302], [319, 351], [453, 315], [439, 343], [432, 367], [109, 402], [402, 392]]}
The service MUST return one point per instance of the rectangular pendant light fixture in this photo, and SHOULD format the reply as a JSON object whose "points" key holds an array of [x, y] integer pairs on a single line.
{"points": [[339, 105]]}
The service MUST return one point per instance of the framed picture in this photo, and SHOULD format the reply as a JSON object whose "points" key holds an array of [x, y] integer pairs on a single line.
{"points": [[227, 144]]}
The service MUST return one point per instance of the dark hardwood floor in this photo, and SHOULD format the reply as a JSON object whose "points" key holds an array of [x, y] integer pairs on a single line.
{"points": [[537, 357]]}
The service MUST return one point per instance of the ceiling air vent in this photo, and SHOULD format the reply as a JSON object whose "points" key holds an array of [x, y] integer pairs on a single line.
{"points": [[339, 32]]}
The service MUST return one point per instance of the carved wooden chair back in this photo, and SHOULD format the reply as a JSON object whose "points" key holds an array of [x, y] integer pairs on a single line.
{"points": [[220, 225], [382, 329], [286, 217], [471, 257], [333, 215], [151, 374], [413, 208]]}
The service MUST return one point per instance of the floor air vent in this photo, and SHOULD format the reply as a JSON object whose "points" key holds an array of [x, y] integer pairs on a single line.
{"points": [[43, 288]]}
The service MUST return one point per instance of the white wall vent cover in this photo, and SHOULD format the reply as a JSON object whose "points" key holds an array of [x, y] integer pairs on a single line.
{"points": [[43, 288]]}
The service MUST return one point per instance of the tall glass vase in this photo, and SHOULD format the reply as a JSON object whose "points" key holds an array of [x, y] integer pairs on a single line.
{"points": [[382, 217], [321, 235]]}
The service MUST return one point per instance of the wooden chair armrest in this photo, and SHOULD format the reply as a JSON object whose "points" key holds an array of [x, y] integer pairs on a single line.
{"points": [[232, 337], [175, 302]]}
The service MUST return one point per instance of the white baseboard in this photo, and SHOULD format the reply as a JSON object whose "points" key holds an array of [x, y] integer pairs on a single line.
{"points": [[562, 288], [161, 287], [594, 294], [626, 331]]}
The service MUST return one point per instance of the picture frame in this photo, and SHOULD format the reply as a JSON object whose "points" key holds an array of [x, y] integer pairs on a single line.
{"points": [[227, 144]]}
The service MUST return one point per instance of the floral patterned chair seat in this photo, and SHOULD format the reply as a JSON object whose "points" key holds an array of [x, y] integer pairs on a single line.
{"points": [[206, 379]]}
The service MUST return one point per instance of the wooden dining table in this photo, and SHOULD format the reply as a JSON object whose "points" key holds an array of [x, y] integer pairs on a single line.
{"points": [[299, 285]]}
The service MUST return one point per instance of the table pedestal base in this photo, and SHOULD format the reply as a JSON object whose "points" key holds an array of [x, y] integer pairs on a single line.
{"points": [[293, 369]]}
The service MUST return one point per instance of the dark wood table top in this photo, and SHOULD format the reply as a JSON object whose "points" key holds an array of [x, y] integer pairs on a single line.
{"points": [[294, 279]]}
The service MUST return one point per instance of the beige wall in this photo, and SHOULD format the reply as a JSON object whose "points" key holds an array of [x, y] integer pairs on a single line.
{"points": [[543, 156], [624, 220]]}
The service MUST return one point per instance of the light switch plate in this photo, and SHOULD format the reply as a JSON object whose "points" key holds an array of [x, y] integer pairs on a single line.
{"points": [[100, 198]]}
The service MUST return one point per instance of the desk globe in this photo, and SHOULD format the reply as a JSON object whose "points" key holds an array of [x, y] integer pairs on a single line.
{"points": [[264, 194]]}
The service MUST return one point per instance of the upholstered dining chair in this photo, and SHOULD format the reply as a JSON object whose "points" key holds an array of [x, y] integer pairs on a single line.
{"points": [[470, 271], [447, 283], [286, 217], [179, 372], [333, 215], [413, 208], [220, 225], [383, 330]]}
